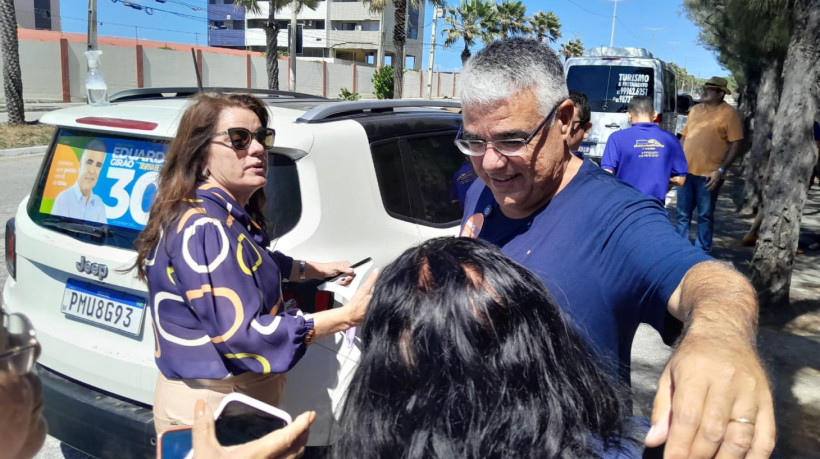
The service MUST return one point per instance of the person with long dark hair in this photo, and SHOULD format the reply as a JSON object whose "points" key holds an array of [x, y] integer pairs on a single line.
{"points": [[466, 354], [219, 318]]}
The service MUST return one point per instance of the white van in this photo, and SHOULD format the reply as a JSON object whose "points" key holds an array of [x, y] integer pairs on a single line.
{"points": [[610, 78]]}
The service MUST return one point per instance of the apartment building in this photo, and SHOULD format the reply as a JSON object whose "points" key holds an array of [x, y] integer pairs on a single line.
{"points": [[337, 30], [38, 14]]}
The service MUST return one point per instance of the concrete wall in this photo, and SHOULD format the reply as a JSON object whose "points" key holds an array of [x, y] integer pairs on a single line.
{"points": [[45, 84], [54, 68], [339, 76]]}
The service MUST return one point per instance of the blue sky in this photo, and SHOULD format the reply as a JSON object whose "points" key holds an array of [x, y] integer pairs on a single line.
{"points": [[675, 37]]}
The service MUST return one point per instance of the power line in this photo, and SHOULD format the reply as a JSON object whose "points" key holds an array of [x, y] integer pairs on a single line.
{"points": [[590, 12]]}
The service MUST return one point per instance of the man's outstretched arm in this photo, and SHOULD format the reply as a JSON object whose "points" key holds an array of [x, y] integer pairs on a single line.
{"points": [[713, 396]]}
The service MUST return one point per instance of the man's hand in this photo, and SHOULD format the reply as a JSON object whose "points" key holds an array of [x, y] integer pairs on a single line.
{"points": [[706, 387], [713, 397], [714, 179], [285, 443]]}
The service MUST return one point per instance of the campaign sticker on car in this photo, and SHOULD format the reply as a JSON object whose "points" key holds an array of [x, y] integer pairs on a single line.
{"points": [[103, 307]]}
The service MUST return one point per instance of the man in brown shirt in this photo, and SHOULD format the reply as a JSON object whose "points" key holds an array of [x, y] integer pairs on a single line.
{"points": [[711, 141]]}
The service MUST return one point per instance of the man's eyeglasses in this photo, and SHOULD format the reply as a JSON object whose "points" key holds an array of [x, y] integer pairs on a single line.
{"points": [[507, 147], [241, 138], [22, 346]]}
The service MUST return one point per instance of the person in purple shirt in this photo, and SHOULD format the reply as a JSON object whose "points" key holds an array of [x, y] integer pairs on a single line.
{"points": [[215, 290], [645, 156]]}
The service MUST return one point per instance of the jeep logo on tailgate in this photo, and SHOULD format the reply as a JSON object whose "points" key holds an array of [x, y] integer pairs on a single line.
{"points": [[95, 269]]}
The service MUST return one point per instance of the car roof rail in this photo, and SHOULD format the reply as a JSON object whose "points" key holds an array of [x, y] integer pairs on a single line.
{"points": [[335, 110], [171, 92]]}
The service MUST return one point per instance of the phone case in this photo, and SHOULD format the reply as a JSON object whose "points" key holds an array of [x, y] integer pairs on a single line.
{"points": [[262, 406]]}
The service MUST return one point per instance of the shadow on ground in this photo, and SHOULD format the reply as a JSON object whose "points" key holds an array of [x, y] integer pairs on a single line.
{"points": [[788, 338]]}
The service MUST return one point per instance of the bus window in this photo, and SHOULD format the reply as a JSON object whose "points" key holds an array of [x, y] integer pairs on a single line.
{"points": [[610, 87]]}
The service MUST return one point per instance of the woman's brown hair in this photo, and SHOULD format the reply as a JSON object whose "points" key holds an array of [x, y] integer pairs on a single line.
{"points": [[185, 162]]}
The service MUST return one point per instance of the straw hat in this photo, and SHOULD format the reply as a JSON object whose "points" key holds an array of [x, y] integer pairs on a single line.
{"points": [[717, 83]]}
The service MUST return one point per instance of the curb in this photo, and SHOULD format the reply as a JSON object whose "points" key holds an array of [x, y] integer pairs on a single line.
{"points": [[24, 151]]}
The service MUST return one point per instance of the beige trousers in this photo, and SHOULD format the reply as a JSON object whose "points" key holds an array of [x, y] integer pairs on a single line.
{"points": [[174, 399]]}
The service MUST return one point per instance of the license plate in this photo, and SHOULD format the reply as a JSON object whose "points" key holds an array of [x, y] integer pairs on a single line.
{"points": [[584, 148], [103, 307]]}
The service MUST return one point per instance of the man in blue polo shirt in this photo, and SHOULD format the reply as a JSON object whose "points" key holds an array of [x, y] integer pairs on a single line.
{"points": [[609, 255], [645, 156]]}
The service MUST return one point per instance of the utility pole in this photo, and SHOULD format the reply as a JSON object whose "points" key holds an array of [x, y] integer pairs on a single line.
{"points": [[380, 52], [92, 24], [437, 13], [614, 15], [292, 46], [653, 30]]}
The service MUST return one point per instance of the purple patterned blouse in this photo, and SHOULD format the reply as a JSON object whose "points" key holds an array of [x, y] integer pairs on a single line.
{"points": [[216, 297]]}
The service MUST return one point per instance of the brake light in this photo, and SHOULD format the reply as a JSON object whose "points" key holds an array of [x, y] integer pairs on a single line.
{"points": [[118, 123], [11, 250], [324, 300], [659, 118]]}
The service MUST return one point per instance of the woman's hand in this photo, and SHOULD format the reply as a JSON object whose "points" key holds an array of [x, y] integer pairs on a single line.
{"points": [[316, 270], [357, 305], [287, 442], [333, 269]]}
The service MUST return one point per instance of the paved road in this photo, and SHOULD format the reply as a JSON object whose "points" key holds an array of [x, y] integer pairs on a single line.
{"points": [[18, 176]]}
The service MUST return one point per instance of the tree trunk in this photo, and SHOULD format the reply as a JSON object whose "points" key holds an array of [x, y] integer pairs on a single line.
{"points": [[399, 38], [465, 54], [272, 45], [791, 160], [756, 172], [12, 75]]}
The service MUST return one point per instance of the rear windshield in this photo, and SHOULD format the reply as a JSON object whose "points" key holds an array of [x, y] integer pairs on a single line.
{"points": [[609, 88], [99, 188]]}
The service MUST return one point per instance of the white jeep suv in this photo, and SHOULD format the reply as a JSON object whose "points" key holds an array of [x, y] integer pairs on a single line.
{"points": [[348, 180]]}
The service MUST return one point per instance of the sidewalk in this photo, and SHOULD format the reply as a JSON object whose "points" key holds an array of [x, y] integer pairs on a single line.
{"points": [[34, 110], [788, 341]]}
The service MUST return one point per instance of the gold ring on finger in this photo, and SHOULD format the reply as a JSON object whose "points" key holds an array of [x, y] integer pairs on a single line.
{"points": [[742, 421]]}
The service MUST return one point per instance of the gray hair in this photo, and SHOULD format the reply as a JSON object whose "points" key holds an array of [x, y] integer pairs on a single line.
{"points": [[509, 66], [641, 105]]}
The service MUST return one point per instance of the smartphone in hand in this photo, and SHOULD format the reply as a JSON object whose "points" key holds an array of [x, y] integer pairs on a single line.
{"points": [[175, 443], [240, 419], [354, 265]]}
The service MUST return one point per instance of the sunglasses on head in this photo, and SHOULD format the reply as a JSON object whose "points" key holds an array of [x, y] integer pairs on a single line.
{"points": [[241, 138]]}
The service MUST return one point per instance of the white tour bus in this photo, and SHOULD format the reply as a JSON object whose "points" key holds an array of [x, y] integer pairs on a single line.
{"points": [[610, 77]]}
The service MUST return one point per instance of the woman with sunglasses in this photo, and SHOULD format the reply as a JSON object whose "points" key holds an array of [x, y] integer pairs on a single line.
{"points": [[22, 427], [216, 299]]}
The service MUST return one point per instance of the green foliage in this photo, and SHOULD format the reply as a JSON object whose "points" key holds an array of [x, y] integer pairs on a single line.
{"points": [[743, 33], [383, 82], [470, 21], [545, 25], [572, 48], [347, 95], [512, 18]]}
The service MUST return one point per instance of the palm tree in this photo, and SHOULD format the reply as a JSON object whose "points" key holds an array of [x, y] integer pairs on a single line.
{"points": [[572, 48], [399, 35], [512, 18], [545, 25], [470, 21], [272, 31], [12, 75]]}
